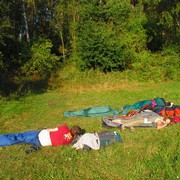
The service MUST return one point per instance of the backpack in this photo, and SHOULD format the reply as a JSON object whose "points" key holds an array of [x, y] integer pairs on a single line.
{"points": [[169, 111], [108, 137]]}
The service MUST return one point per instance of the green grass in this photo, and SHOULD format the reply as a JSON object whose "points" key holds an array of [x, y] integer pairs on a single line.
{"points": [[144, 153]]}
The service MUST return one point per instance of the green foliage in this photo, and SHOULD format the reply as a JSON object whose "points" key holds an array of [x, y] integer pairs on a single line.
{"points": [[8, 46], [109, 41], [118, 12], [42, 62], [136, 34], [162, 25], [100, 49], [1, 61], [171, 50], [157, 67]]}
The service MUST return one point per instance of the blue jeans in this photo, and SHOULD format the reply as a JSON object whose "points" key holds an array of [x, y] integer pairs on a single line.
{"points": [[29, 137]]}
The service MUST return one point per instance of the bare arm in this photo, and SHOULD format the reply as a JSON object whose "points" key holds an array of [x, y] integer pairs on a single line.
{"points": [[51, 130], [160, 126]]}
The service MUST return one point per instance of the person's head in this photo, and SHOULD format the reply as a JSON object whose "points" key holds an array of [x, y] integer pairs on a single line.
{"points": [[167, 120], [75, 130], [168, 103]]}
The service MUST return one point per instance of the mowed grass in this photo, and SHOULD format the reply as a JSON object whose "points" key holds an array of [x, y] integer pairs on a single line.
{"points": [[146, 153]]}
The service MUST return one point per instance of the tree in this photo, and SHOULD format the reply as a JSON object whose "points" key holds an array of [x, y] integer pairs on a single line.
{"points": [[42, 62], [110, 35], [163, 23]]}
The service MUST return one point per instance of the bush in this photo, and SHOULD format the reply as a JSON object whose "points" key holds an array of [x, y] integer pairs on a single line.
{"points": [[157, 67], [42, 62]]}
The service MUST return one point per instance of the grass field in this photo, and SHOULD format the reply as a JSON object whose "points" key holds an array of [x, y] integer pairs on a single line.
{"points": [[145, 153]]}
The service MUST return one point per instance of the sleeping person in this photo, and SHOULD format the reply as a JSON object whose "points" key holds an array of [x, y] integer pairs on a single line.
{"points": [[146, 118]]}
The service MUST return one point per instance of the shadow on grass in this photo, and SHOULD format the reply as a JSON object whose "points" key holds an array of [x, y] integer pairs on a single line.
{"points": [[8, 87]]}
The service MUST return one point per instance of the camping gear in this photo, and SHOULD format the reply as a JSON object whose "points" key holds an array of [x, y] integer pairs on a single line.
{"points": [[176, 119], [93, 112], [145, 104], [90, 140], [168, 111], [108, 137], [96, 141]]}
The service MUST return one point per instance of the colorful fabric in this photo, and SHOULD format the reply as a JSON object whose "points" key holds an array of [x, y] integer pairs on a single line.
{"points": [[168, 111], [176, 119], [160, 102], [132, 112], [136, 106], [61, 137], [153, 102], [145, 104]]}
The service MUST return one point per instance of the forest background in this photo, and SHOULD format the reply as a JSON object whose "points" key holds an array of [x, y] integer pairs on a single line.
{"points": [[137, 40]]}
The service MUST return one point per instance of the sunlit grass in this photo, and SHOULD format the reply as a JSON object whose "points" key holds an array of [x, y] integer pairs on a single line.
{"points": [[144, 154]]}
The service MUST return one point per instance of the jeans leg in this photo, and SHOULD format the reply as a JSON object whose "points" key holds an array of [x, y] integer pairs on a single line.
{"points": [[29, 137]]}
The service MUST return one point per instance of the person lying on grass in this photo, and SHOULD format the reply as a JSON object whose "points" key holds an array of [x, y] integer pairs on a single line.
{"points": [[159, 123], [60, 135]]}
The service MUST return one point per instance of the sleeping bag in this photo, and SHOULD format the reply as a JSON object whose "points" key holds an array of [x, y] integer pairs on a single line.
{"points": [[141, 105], [145, 118], [93, 112]]}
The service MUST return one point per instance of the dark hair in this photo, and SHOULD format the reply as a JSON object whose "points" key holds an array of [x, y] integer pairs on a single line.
{"points": [[76, 130], [168, 103]]}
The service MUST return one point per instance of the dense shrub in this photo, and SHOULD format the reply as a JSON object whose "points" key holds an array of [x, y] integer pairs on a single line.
{"points": [[157, 67], [42, 62]]}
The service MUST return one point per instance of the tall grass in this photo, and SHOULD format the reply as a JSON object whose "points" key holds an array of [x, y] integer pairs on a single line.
{"points": [[145, 153]]}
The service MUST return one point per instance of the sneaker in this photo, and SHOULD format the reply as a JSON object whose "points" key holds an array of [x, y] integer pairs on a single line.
{"points": [[31, 149]]}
